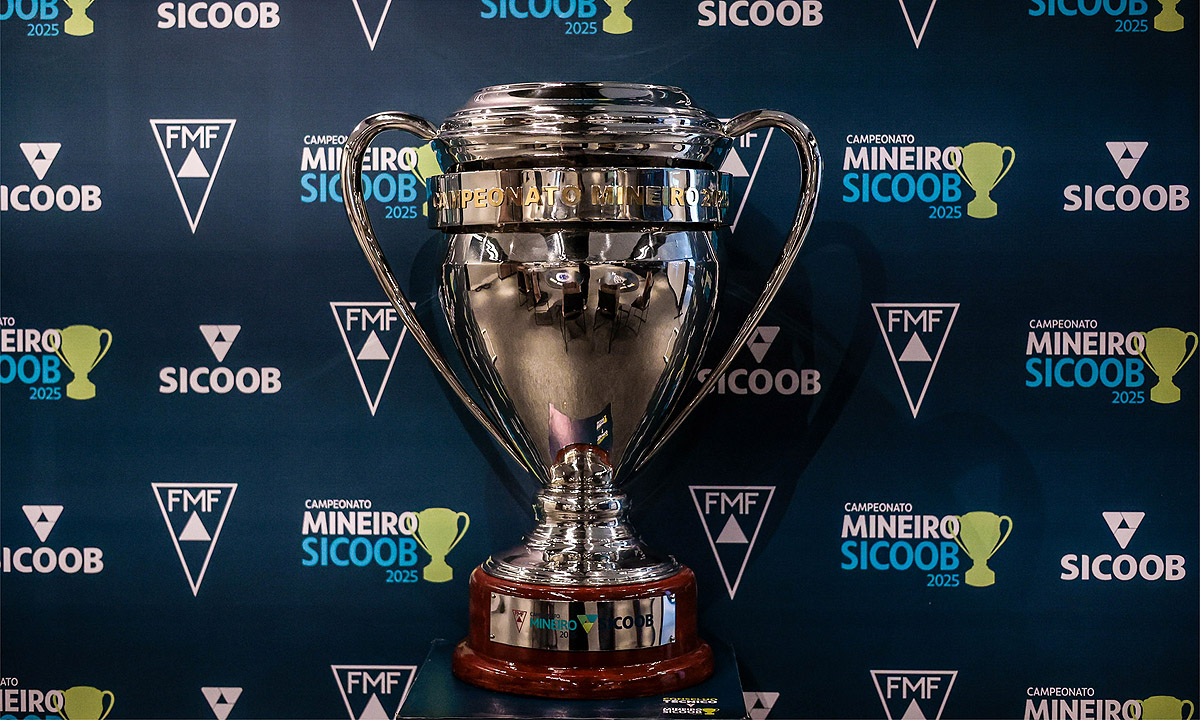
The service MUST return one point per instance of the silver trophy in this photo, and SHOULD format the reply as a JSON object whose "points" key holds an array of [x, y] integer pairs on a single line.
{"points": [[580, 286]]}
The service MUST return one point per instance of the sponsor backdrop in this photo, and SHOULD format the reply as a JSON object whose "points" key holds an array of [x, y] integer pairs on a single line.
{"points": [[953, 474]]}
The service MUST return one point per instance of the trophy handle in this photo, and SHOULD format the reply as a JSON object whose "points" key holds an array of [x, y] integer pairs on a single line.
{"points": [[107, 694], [1191, 709], [1012, 155], [810, 183], [1006, 534], [1191, 352], [356, 209], [462, 532], [107, 345], [958, 531]]}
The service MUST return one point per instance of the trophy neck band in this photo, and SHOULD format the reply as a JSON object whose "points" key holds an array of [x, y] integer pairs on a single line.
{"points": [[489, 198]]}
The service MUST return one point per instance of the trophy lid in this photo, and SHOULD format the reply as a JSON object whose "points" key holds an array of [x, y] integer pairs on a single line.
{"points": [[584, 124]]}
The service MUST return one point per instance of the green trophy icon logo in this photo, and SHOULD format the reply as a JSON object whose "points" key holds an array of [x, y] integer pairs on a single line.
{"points": [[1169, 20], [617, 22], [80, 351], [79, 24], [437, 534], [1165, 707], [85, 703], [1166, 352], [979, 536], [983, 168]]}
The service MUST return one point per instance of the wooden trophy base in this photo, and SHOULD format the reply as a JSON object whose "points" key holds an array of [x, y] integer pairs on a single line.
{"points": [[593, 635]]}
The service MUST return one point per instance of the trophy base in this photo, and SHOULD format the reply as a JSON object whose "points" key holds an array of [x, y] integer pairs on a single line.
{"points": [[583, 642]]}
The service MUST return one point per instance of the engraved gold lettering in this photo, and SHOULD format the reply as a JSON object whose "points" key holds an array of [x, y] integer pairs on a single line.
{"points": [[495, 196], [467, 196], [532, 196], [635, 195], [480, 197], [513, 194], [676, 196], [550, 190], [570, 194], [653, 196], [691, 196]]}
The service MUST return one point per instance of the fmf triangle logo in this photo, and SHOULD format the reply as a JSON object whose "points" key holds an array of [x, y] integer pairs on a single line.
{"points": [[1126, 155], [372, 333], [193, 150], [913, 694], [1123, 525], [40, 156], [742, 163], [372, 8], [373, 692], [195, 514], [915, 334], [44, 517], [220, 338], [732, 515], [917, 36], [221, 699], [759, 704], [519, 618]]}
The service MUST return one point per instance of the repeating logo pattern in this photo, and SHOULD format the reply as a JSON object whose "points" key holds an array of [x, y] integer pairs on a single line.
{"points": [[369, 323], [909, 331], [193, 151], [195, 514], [221, 700], [373, 692], [727, 513], [914, 694]]}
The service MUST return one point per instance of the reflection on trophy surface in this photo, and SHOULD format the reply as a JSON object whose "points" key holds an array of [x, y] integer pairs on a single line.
{"points": [[79, 24], [983, 167], [1166, 352], [80, 351], [85, 703], [579, 283], [437, 534], [1165, 707], [617, 22], [979, 537], [1169, 19]]}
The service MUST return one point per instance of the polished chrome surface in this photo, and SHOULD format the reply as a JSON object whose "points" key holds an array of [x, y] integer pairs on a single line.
{"points": [[580, 330], [492, 198], [580, 336], [582, 536], [580, 124], [806, 205], [588, 626]]}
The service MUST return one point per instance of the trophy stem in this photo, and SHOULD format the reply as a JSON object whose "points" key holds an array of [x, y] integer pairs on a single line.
{"points": [[583, 536]]}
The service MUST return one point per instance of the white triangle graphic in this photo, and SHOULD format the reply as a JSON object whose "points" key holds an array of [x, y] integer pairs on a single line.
{"points": [[913, 712], [372, 36], [1123, 525], [1126, 155], [761, 340], [192, 167], [372, 402], [877, 307], [194, 580], [194, 530], [759, 704], [42, 518], [917, 36], [221, 699], [373, 349], [373, 709], [733, 164], [696, 491], [220, 338], [915, 351], [193, 214], [40, 156], [753, 174], [732, 533]]}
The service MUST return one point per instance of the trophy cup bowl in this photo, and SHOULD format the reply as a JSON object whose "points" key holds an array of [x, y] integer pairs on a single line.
{"points": [[85, 703], [1165, 707], [580, 287], [979, 537]]}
